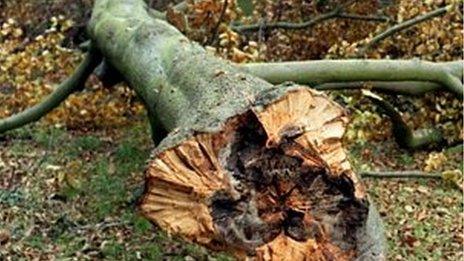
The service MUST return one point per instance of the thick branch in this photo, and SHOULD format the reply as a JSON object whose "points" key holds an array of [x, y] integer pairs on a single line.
{"points": [[70, 85], [325, 71], [336, 13], [404, 25], [400, 174], [454, 67], [404, 136], [108, 75]]}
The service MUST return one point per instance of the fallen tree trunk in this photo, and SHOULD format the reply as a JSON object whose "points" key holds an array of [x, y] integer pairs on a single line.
{"points": [[242, 165], [248, 167]]}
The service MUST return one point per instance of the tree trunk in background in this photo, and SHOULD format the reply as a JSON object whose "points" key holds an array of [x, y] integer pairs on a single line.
{"points": [[248, 167]]}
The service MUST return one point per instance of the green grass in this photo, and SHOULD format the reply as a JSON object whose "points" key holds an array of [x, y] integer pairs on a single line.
{"points": [[405, 159], [87, 143], [36, 241], [140, 224], [106, 190], [11, 197], [110, 173], [114, 250], [49, 137]]}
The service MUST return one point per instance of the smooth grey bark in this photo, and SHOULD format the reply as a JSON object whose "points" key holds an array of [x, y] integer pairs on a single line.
{"points": [[184, 88], [404, 135], [313, 73]]}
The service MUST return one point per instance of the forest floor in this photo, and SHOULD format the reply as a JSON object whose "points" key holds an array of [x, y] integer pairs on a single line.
{"points": [[66, 195], [70, 194]]}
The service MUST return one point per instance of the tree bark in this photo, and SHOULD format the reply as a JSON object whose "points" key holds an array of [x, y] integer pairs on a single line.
{"points": [[248, 167], [404, 136], [313, 73]]}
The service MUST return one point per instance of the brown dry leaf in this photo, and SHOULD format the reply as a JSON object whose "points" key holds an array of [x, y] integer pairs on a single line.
{"points": [[434, 161], [4, 236], [177, 19]]}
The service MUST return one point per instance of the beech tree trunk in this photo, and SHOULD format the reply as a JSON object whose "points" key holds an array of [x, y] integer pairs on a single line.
{"points": [[248, 167]]}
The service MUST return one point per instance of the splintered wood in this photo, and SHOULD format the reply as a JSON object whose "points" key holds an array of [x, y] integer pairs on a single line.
{"points": [[274, 184]]}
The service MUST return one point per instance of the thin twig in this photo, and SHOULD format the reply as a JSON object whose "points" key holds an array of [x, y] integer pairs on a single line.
{"points": [[400, 174], [336, 13], [181, 6], [401, 26], [287, 25], [393, 87], [85, 46], [102, 225], [218, 24], [370, 18]]}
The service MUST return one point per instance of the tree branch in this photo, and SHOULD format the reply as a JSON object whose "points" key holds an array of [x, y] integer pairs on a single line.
{"points": [[180, 7], [328, 71], [216, 28], [404, 136], [107, 74], [454, 67], [369, 18], [336, 13], [400, 174], [397, 87], [70, 85], [404, 25]]}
